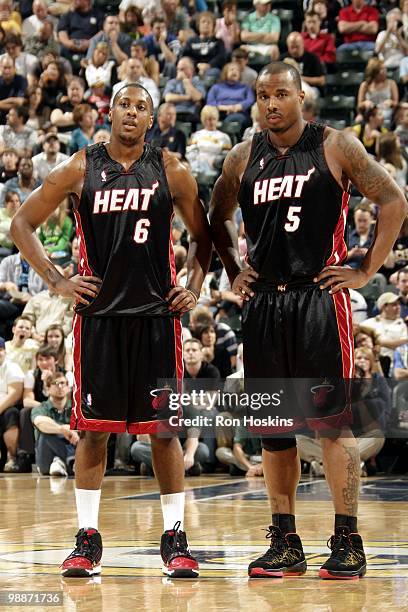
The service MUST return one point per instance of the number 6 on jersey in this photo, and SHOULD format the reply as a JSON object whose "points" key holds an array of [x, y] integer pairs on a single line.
{"points": [[141, 231]]}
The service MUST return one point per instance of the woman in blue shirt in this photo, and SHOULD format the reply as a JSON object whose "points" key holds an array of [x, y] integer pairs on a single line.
{"points": [[232, 98]]}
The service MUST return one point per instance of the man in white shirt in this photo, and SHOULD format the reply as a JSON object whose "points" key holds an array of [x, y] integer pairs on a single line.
{"points": [[50, 157], [11, 394], [134, 74], [388, 324], [22, 348], [33, 24]]}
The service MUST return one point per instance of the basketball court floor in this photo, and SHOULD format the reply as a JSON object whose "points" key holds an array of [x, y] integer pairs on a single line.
{"points": [[224, 521]]}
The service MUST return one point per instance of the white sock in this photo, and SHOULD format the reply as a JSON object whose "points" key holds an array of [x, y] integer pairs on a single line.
{"points": [[173, 509], [87, 503]]}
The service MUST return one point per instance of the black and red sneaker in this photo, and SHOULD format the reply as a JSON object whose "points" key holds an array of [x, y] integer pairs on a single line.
{"points": [[284, 557], [347, 560], [178, 561], [85, 559]]}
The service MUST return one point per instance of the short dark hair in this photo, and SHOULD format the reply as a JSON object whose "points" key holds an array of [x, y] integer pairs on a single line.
{"points": [[46, 351], [280, 68], [191, 341], [22, 112], [139, 86]]}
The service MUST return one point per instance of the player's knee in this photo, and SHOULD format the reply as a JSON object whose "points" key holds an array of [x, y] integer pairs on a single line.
{"points": [[278, 444], [95, 438]]}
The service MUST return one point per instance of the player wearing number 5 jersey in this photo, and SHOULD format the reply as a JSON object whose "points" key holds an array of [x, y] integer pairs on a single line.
{"points": [[128, 306], [292, 183]]}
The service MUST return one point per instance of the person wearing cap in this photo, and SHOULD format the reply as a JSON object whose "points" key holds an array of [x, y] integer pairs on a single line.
{"points": [[50, 157], [389, 324], [11, 395], [118, 42], [260, 30]]}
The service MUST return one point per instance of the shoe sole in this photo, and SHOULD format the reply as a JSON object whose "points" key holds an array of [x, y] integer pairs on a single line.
{"points": [[180, 573], [331, 575], [260, 572], [81, 572]]}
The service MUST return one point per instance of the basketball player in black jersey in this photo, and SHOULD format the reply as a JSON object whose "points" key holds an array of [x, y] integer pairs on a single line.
{"points": [[127, 330], [292, 183]]}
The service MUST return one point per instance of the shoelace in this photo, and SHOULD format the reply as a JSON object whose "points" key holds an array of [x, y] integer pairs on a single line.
{"points": [[275, 535], [84, 546], [339, 543], [179, 542]]}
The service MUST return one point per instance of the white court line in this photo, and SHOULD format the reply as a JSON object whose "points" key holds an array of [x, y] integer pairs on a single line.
{"points": [[302, 484]]}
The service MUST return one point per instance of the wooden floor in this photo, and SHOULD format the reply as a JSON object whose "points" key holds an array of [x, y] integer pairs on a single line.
{"points": [[224, 521]]}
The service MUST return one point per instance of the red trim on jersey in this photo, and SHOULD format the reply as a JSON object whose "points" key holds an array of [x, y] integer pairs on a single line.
{"points": [[83, 255], [172, 261], [339, 250], [342, 307], [78, 421], [178, 353], [150, 427]]}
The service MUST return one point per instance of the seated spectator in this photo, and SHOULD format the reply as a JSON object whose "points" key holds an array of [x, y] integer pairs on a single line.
{"points": [[227, 27], [218, 357], [370, 129], [194, 364], [176, 18], [24, 62], [209, 145], [389, 325], [32, 25], [132, 21], [10, 20], [165, 134], [186, 91], [18, 283], [82, 136], [77, 27], [51, 156], [11, 395], [368, 338], [11, 205], [309, 65], [401, 120], [318, 42], [358, 24], [361, 237], [48, 308], [260, 30], [53, 83], [163, 46], [16, 134], [248, 75], [22, 347], [134, 74], [55, 336], [56, 232], [38, 113], [310, 110], [25, 181], [43, 43], [207, 51], [201, 316], [100, 69], [255, 127], [378, 90], [389, 152], [9, 164], [231, 96], [62, 117], [55, 442], [245, 456], [328, 11], [118, 42], [12, 87], [401, 284], [390, 45], [151, 66]]}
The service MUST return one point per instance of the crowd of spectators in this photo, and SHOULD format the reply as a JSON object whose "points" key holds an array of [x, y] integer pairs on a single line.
{"points": [[60, 63]]}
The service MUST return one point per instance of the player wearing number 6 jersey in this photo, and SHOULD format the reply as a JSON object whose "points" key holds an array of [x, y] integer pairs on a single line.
{"points": [[292, 183], [128, 306]]}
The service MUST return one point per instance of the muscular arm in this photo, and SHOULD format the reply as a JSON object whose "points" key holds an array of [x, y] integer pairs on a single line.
{"points": [[223, 205], [346, 154], [183, 188]]}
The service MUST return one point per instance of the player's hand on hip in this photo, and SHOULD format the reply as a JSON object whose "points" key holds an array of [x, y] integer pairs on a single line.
{"points": [[78, 287], [181, 300], [241, 284], [336, 278]]}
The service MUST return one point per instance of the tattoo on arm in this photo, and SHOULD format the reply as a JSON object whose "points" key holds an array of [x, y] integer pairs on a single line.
{"points": [[367, 175], [350, 491]]}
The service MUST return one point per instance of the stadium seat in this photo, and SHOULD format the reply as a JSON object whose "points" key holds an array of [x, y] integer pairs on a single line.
{"points": [[184, 127], [233, 129], [209, 81], [344, 83], [338, 107], [355, 59]]}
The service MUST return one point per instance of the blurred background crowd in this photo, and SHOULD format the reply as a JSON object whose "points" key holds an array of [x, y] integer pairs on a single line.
{"points": [[60, 63]]}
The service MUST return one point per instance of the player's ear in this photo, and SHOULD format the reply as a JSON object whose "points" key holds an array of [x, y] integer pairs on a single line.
{"points": [[151, 121], [301, 96], [110, 114]]}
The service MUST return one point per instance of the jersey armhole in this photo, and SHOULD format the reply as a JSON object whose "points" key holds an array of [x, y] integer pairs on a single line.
{"points": [[75, 198], [247, 164], [343, 178]]}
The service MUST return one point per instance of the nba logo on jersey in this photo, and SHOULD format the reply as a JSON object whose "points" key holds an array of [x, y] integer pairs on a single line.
{"points": [[89, 399], [103, 176], [262, 163]]}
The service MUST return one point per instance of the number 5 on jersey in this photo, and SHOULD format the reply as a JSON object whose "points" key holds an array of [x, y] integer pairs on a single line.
{"points": [[141, 231], [293, 218]]}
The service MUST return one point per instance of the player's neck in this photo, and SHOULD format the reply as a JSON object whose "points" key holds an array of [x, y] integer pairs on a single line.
{"points": [[284, 140], [124, 154]]}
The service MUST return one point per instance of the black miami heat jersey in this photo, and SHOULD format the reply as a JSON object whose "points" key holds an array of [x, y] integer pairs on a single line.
{"points": [[124, 229], [294, 210]]}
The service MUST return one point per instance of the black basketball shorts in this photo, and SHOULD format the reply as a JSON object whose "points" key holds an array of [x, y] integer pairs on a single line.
{"points": [[304, 336], [118, 362]]}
